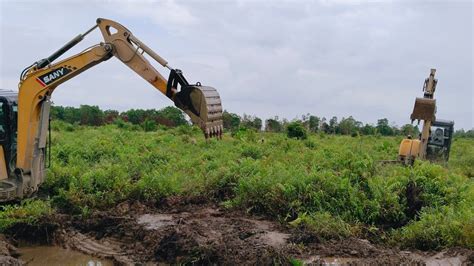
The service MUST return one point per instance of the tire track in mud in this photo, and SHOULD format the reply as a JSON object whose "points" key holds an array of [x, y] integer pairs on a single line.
{"points": [[8, 253]]}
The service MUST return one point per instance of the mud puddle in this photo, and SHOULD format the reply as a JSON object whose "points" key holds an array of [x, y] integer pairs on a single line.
{"points": [[53, 255]]}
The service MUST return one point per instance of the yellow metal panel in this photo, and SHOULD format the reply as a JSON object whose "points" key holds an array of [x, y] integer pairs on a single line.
{"points": [[32, 92], [3, 165], [409, 147], [415, 147]]}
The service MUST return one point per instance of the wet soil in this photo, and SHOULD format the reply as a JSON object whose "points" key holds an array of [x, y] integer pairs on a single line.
{"points": [[8, 253], [190, 231]]}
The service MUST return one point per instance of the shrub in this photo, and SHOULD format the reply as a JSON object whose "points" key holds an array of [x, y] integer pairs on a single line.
{"points": [[149, 125], [439, 228], [29, 211], [324, 225], [296, 130]]}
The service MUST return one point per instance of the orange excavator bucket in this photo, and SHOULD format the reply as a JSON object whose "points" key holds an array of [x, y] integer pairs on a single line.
{"points": [[424, 109]]}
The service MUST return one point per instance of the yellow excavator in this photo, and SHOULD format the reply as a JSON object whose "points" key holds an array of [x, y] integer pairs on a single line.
{"points": [[434, 142], [24, 116]]}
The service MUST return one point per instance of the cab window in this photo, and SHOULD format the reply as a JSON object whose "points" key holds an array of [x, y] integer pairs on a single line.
{"points": [[3, 126], [14, 122]]}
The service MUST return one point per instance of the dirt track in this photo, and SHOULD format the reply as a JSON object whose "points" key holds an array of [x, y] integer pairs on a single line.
{"points": [[183, 231]]}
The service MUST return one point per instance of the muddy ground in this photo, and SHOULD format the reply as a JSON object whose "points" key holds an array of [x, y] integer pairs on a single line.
{"points": [[183, 231], [8, 253]]}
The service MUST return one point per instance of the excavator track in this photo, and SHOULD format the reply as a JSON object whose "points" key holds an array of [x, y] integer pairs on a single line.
{"points": [[7, 190]]}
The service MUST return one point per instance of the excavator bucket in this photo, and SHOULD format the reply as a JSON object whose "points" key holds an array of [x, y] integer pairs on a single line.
{"points": [[424, 109], [204, 107]]}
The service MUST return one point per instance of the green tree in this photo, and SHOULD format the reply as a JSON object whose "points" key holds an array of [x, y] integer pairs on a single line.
{"points": [[325, 126], [384, 128], [296, 130], [314, 123], [349, 125], [333, 124], [368, 130], [409, 129], [110, 116], [249, 121], [173, 114], [257, 123], [273, 125], [57, 113], [134, 116], [91, 115], [149, 125], [72, 115], [464, 134], [231, 121]]}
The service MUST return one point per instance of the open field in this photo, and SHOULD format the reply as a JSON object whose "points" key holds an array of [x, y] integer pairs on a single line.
{"points": [[257, 197]]}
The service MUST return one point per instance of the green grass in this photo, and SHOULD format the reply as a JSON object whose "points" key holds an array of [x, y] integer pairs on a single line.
{"points": [[28, 212], [332, 185]]}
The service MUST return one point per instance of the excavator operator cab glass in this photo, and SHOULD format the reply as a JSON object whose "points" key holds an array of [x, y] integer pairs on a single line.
{"points": [[439, 141], [14, 122], [3, 120], [8, 128]]}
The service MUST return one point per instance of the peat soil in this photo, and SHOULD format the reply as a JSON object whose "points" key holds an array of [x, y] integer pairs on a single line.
{"points": [[8, 253], [194, 231]]}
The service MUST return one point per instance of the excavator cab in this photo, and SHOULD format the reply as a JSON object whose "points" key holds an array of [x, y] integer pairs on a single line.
{"points": [[439, 142], [8, 138]]}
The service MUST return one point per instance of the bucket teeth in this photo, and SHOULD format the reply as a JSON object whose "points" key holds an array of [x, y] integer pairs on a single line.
{"points": [[214, 130]]}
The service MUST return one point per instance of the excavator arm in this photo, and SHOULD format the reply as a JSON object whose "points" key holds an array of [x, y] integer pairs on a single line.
{"points": [[37, 83], [202, 104]]}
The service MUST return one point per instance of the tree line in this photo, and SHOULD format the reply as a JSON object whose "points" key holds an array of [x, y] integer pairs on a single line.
{"points": [[315, 124], [94, 116], [171, 116], [464, 134]]}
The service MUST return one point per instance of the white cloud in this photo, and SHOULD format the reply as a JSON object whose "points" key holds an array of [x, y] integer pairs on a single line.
{"points": [[286, 58], [168, 14]]}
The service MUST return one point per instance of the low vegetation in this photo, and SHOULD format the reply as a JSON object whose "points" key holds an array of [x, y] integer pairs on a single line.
{"points": [[331, 185]]}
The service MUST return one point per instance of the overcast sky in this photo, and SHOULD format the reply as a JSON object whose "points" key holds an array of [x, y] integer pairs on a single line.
{"points": [[287, 58]]}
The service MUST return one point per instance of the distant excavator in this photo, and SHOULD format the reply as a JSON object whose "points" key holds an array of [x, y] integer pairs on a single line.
{"points": [[24, 116], [434, 142]]}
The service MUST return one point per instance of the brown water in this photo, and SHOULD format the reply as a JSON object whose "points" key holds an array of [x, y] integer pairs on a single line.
{"points": [[53, 255]]}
